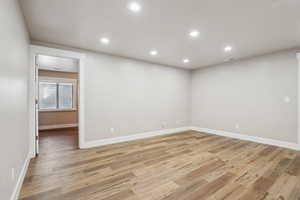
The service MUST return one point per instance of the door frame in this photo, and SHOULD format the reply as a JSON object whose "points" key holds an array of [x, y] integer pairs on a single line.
{"points": [[34, 51], [298, 57]]}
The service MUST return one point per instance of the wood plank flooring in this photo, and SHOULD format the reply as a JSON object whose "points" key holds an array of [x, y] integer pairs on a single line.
{"points": [[58, 140], [184, 166]]}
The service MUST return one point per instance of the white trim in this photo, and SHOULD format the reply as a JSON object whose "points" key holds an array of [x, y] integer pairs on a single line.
{"points": [[288, 145], [58, 110], [298, 56], [134, 137], [39, 49], [81, 104], [36, 50], [57, 126], [18, 186], [268, 141], [57, 79]]}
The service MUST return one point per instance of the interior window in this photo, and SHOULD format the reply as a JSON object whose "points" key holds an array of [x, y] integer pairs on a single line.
{"points": [[47, 95], [56, 95], [65, 95]]}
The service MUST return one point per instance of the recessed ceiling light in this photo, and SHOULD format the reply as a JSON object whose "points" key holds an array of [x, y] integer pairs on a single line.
{"points": [[134, 7], [228, 48], [153, 52], [194, 33], [186, 60], [105, 40]]}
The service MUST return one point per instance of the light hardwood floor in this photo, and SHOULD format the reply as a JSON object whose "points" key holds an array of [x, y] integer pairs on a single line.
{"points": [[59, 140], [184, 166]]}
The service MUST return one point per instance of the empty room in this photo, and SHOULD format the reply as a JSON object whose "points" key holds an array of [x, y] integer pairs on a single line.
{"points": [[150, 100]]}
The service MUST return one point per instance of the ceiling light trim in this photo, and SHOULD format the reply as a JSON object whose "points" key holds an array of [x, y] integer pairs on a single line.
{"points": [[105, 40], [134, 7]]}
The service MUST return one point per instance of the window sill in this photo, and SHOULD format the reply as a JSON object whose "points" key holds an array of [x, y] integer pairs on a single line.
{"points": [[58, 110]]}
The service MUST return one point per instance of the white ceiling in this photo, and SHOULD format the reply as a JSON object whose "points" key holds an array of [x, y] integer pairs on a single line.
{"points": [[252, 27]]}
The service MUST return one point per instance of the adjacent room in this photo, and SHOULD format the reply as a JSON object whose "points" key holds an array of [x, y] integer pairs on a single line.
{"points": [[150, 100], [57, 110]]}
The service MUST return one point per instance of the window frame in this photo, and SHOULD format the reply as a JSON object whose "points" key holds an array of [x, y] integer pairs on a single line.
{"points": [[57, 81]]}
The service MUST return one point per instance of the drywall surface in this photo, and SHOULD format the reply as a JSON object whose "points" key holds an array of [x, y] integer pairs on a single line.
{"points": [[257, 96], [126, 97], [14, 69]]}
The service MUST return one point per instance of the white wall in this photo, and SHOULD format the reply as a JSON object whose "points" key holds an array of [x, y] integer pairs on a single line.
{"points": [[132, 97], [250, 93], [13, 89]]}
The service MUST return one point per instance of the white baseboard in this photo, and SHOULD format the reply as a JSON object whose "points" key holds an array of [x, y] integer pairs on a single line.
{"points": [[57, 126], [18, 186], [133, 137], [279, 143]]}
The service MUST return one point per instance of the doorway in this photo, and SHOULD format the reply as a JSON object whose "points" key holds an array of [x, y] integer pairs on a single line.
{"points": [[57, 104], [56, 92]]}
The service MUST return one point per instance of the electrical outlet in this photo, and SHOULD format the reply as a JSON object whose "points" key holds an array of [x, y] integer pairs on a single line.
{"points": [[164, 125], [13, 174], [112, 130], [177, 121]]}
